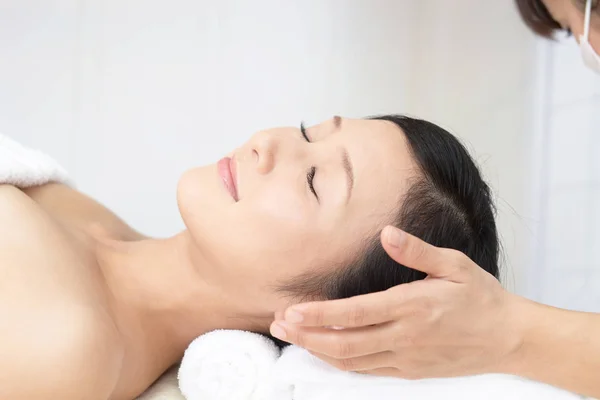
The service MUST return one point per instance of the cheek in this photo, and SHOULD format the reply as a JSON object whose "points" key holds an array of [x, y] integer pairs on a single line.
{"points": [[272, 224], [280, 204], [277, 235], [595, 40], [259, 238]]}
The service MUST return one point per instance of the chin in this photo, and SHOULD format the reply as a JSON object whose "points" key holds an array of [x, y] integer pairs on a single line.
{"points": [[201, 199], [194, 190]]}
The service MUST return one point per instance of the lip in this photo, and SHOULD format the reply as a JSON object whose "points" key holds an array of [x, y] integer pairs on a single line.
{"points": [[227, 172]]}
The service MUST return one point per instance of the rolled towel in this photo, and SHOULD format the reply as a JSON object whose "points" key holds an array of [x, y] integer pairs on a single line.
{"points": [[313, 379], [230, 365], [25, 167]]}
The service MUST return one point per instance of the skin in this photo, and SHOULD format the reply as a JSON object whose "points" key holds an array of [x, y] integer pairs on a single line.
{"points": [[79, 284], [456, 322], [571, 17]]}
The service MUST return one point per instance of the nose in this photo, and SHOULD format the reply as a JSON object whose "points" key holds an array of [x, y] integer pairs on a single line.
{"points": [[264, 148]]}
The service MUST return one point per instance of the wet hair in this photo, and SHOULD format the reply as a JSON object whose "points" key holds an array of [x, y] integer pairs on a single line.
{"points": [[447, 204], [537, 17]]}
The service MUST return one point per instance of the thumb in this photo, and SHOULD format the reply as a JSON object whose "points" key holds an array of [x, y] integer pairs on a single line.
{"points": [[415, 253]]}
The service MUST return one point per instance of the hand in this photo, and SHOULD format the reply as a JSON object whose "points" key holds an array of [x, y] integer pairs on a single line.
{"points": [[458, 321]]}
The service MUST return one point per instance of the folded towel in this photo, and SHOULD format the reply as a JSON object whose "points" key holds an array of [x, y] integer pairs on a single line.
{"points": [[24, 167], [231, 365], [313, 379]]}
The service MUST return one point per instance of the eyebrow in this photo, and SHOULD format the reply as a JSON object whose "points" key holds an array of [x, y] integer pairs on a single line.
{"points": [[349, 173], [337, 121], [346, 162]]}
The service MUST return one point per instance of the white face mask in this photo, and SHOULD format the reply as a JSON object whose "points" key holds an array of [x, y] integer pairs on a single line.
{"points": [[590, 58]]}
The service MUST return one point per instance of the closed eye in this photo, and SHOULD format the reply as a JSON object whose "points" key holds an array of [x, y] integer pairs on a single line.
{"points": [[303, 130], [310, 176]]}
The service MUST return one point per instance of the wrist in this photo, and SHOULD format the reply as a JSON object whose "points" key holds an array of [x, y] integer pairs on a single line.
{"points": [[551, 345], [522, 321]]}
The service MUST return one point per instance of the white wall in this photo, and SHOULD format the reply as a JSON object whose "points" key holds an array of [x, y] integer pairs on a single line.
{"points": [[473, 72], [127, 94], [37, 73], [566, 271]]}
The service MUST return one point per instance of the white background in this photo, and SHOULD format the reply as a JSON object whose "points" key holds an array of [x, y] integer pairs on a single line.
{"points": [[566, 271], [127, 94]]}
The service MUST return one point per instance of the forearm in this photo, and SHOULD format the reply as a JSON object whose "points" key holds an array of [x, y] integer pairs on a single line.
{"points": [[559, 347]]}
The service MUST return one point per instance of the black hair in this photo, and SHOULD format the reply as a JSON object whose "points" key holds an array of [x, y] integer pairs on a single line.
{"points": [[537, 17], [447, 205]]}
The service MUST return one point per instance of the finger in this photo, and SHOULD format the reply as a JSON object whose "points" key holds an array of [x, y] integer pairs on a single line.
{"points": [[340, 344], [359, 364], [358, 311], [278, 315], [415, 253]]}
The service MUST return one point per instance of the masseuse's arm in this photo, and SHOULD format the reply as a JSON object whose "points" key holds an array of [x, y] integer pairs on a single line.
{"points": [[458, 321]]}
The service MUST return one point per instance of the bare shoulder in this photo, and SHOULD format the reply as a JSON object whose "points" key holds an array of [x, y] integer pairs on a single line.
{"points": [[76, 209], [9, 196], [57, 341]]}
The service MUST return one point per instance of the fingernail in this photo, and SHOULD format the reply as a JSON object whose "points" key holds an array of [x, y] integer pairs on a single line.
{"points": [[394, 236], [278, 331], [294, 317]]}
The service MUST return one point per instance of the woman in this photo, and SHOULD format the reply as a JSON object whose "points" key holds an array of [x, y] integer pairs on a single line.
{"points": [[459, 322], [92, 309], [574, 17]]}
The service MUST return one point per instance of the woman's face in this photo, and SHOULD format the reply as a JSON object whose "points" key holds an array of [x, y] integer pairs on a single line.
{"points": [[570, 14], [274, 226]]}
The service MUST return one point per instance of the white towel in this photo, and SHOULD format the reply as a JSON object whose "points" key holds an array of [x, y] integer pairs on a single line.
{"points": [[313, 379], [25, 167], [230, 365]]}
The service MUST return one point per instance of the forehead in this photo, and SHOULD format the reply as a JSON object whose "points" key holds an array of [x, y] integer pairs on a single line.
{"points": [[383, 170]]}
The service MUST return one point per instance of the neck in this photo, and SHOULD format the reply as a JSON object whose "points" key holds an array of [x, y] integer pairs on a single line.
{"points": [[161, 299]]}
